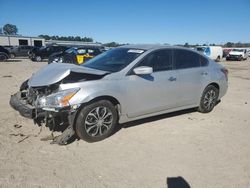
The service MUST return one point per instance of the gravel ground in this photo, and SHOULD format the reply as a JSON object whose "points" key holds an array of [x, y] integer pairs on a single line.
{"points": [[203, 150]]}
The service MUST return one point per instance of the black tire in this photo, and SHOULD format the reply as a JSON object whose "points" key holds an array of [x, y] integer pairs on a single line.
{"points": [[209, 99], [92, 129], [218, 59], [3, 57]]}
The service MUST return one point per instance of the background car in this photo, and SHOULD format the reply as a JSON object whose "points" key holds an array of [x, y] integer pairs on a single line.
{"points": [[76, 55], [45, 52], [4, 54], [213, 52], [226, 51], [237, 54], [20, 51]]}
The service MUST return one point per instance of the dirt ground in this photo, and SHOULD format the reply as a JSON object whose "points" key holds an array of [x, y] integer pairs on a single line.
{"points": [[200, 150]]}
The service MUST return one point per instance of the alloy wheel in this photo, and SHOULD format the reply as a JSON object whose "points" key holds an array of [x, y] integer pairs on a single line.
{"points": [[210, 99], [98, 121]]}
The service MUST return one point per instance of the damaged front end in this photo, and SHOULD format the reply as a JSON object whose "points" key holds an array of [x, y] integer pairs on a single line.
{"points": [[40, 98], [45, 105]]}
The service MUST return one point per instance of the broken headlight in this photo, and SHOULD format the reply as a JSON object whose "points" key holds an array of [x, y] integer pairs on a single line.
{"points": [[57, 100]]}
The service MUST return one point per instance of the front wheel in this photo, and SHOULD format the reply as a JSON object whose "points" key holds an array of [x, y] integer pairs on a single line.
{"points": [[218, 59], [96, 121], [209, 99]]}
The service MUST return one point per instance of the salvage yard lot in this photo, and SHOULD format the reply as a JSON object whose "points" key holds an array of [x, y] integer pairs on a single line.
{"points": [[207, 150]]}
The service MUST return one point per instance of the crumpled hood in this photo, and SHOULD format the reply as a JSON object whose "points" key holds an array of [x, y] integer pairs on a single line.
{"points": [[55, 72]]}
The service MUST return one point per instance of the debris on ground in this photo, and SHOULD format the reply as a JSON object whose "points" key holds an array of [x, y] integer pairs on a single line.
{"points": [[17, 126]]}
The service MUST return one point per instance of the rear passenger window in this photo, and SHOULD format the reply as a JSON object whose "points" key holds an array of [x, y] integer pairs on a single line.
{"points": [[184, 59], [160, 60], [203, 61]]}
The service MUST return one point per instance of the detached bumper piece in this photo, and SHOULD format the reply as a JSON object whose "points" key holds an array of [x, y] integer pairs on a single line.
{"points": [[26, 110], [21, 106]]}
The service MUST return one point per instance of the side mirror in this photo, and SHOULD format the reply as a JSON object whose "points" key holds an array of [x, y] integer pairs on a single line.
{"points": [[143, 70]]}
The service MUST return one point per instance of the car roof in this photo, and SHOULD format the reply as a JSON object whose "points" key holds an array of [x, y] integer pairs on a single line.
{"points": [[144, 46], [151, 46]]}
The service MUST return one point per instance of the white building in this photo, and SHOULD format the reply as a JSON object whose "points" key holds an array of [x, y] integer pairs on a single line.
{"points": [[71, 43], [17, 40]]}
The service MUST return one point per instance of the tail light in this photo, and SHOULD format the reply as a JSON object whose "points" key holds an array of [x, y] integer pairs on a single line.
{"points": [[225, 71]]}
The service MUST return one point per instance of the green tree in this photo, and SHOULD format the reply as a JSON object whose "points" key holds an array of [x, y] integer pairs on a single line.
{"points": [[1, 30], [186, 45], [229, 44], [46, 37], [112, 44], [87, 39], [9, 29]]}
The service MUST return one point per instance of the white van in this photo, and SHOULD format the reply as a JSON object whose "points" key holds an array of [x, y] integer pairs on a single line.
{"points": [[213, 52]]}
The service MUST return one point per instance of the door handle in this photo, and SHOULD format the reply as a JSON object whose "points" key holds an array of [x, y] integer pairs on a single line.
{"points": [[171, 79], [204, 74]]}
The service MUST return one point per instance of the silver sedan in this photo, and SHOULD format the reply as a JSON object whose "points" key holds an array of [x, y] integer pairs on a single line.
{"points": [[124, 84]]}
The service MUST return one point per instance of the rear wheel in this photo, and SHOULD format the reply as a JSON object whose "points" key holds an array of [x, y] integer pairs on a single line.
{"points": [[96, 121], [3, 57], [218, 59], [209, 99]]}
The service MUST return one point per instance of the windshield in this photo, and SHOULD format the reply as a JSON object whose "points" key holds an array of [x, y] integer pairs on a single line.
{"points": [[114, 60], [238, 50], [70, 50]]}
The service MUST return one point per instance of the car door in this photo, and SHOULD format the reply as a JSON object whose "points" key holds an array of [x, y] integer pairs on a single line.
{"points": [[19, 51], [23, 50], [148, 94], [190, 75]]}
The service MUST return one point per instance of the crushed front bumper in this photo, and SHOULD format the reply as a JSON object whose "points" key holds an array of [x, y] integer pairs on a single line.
{"points": [[26, 110]]}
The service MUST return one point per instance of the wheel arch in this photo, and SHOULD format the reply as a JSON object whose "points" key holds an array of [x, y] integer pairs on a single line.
{"points": [[211, 84], [5, 54], [215, 85], [112, 99]]}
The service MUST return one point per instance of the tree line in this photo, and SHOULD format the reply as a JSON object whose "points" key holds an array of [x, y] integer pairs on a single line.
{"points": [[10, 29], [67, 38]]}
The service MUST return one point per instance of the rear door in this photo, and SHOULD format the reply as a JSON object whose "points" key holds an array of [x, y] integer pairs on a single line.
{"points": [[24, 50], [191, 75], [156, 92]]}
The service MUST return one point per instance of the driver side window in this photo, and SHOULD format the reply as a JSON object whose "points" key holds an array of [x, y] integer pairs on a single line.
{"points": [[160, 60]]}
